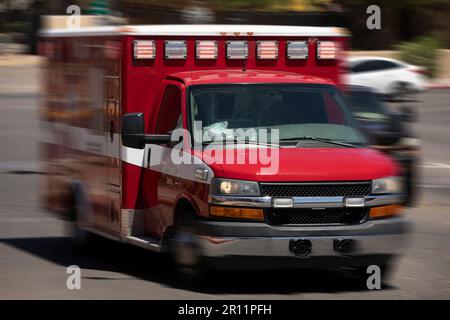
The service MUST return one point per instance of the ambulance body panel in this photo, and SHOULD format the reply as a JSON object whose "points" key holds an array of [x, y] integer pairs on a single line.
{"points": [[95, 77]]}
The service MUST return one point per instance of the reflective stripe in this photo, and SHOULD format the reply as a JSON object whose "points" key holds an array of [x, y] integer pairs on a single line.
{"points": [[92, 141]]}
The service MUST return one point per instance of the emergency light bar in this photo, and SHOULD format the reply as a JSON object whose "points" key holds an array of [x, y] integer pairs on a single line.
{"points": [[175, 49], [144, 49], [237, 50], [267, 49], [297, 50], [206, 49], [327, 50]]}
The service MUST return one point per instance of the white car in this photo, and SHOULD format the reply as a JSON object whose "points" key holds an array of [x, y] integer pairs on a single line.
{"points": [[385, 76]]}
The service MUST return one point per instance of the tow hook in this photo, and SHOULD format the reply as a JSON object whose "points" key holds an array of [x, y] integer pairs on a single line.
{"points": [[344, 246], [301, 248]]}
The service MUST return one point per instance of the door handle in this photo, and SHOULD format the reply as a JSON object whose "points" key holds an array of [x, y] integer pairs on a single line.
{"points": [[111, 130], [149, 157]]}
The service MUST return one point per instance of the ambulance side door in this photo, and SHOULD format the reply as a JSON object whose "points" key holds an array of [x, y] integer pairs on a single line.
{"points": [[160, 178]]}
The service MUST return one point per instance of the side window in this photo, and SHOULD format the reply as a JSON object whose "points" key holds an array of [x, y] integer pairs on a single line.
{"points": [[374, 65], [170, 110], [382, 65], [363, 66]]}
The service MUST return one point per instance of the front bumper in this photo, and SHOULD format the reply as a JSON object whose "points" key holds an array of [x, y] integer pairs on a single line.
{"points": [[252, 241]]}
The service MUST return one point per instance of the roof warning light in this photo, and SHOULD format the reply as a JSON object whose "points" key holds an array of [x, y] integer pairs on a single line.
{"points": [[237, 50], [267, 49], [144, 49]]}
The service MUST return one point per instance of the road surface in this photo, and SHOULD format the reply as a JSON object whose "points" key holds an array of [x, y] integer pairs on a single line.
{"points": [[34, 249]]}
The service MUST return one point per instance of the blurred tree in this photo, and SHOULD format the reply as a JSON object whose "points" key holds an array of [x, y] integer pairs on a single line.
{"points": [[401, 20], [197, 12], [278, 5], [422, 51], [267, 5], [98, 7]]}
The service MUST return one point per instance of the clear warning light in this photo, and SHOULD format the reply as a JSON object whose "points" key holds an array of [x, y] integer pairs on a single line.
{"points": [[297, 50], [175, 49], [237, 50]]}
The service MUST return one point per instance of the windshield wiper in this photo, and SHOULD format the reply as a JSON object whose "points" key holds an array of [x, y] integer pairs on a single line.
{"points": [[236, 141], [330, 141]]}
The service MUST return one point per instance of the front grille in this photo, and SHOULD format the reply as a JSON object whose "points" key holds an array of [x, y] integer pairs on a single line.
{"points": [[316, 189], [311, 216]]}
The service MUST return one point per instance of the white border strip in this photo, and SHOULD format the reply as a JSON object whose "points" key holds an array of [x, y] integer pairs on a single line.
{"points": [[200, 30]]}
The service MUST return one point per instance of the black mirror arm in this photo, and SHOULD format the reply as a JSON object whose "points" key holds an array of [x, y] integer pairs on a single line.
{"points": [[157, 138]]}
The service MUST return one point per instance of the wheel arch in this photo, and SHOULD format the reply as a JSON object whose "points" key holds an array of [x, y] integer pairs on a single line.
{"points": [[184, 203]]}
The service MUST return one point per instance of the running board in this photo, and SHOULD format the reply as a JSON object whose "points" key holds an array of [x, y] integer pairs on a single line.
{"points": [[144, 242]]}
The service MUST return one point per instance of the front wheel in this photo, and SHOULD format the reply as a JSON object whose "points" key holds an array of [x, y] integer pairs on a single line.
{"points": [[183, 251], [81, 241], [399, 90]]}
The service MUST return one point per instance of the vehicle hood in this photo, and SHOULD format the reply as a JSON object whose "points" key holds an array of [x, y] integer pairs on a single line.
{"points": [[304, 164]]}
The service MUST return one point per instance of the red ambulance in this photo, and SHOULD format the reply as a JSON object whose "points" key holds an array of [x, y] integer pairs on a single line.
{"points": [[131, 121]]}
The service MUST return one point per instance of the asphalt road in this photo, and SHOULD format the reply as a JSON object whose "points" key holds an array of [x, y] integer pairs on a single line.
{"points": [[34, 250]]}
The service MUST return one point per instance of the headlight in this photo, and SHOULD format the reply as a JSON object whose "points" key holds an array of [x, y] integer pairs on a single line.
{"points": [[234, 187], [387, 185]]}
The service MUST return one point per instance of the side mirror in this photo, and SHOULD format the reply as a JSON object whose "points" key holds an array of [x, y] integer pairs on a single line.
{"points": [[133, 134], [407, 114]]}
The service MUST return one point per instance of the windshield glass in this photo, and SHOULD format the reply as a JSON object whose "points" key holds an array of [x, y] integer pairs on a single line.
{"points": [[296, 110], [366, 105]]}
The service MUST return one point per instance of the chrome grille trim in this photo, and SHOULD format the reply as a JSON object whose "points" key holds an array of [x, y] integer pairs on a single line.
{"points": [[304, 202], [317, 189]]}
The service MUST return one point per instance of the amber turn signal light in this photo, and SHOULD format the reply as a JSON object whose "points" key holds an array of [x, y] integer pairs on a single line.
{"points": [[233, 212], [385, 211]]}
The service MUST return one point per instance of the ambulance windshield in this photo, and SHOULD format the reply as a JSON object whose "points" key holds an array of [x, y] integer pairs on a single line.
{"points": [[217, 112]]}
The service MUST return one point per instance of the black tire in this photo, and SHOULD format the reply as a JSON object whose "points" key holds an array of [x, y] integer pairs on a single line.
{"points": [[410, 184], [183, 252], [399, 91], [81, 241]]}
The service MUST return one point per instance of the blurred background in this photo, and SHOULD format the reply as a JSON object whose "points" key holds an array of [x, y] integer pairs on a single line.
{"points": [[402, 20], [407, 118]]}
